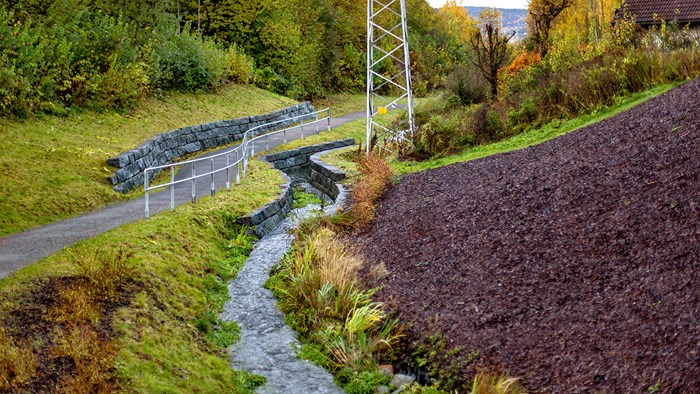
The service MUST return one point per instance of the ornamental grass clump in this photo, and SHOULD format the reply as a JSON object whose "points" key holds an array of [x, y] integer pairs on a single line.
{"points": [[320, 275], [318, 289], [489, 383], [365, 335]]}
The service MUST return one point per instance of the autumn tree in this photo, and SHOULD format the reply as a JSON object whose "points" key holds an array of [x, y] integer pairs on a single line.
{"points": [[491, 49], [541, 15]]}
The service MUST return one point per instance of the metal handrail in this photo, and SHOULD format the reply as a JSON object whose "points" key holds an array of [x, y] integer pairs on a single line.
{"points": [[242, 152]]}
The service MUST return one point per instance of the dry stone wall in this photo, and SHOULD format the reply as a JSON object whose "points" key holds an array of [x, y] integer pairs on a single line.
{"points": [[304, 162], [177, 143]]}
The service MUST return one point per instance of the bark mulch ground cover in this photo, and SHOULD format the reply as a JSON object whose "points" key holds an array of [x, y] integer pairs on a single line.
{"points": [[574, 264]]}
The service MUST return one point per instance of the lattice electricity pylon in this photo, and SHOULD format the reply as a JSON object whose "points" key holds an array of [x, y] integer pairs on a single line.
{"points": [[388, 72]]}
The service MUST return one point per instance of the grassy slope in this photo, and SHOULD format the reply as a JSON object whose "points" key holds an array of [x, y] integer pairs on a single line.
{"points": [[343, 103], [533, 137], [160, 342], [552, 130], [54, 167]]}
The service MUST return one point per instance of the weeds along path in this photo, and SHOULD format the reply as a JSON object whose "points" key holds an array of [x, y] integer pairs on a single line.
{"points": [[267, 344], [21, 249]]}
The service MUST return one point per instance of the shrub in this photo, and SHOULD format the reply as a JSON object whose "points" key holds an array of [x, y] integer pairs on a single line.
{"points": [[189, 62], [522, 61], [467, 83], [487, 124], [523, 117], [241, 68], [435, 136], [375, 180], [123, 87], [17, 364], [267, 78]]}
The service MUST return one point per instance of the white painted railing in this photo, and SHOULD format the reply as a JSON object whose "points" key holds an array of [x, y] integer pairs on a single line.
{"points": [[236, 158]]}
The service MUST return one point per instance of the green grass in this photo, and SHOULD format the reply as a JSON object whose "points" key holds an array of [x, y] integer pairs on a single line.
{"points": [[343, 103], [533, 137], [168, 337], [356, 129], [302, 199], [53, 167]]}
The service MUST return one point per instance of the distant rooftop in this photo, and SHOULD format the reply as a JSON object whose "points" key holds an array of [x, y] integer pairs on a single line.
{"points": [[650, 12]]}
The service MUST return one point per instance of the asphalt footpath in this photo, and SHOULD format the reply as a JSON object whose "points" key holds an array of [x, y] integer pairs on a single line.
{"points": [[21, 249]]}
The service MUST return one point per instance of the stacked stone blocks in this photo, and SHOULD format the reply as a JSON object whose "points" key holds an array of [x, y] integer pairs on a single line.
{"points": [[302, 160], [177, 143]]}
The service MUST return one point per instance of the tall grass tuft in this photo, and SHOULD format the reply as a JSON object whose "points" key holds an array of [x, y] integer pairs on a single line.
{"points": [[17, 363], [364, 336], [490, 383], [320, 275], [317, 287]]}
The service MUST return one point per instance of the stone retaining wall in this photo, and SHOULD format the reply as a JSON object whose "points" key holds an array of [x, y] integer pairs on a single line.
{"points": [[265, 219], [307, 158], [324, 177], [177, 143], [297, 160]]}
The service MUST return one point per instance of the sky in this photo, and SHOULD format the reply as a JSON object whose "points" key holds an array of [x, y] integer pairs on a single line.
{"points": [[486, 3]]}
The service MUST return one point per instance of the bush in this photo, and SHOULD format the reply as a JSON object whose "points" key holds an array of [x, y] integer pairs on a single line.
{"points": [[487, 124], [123, 87], [189, 62], [524, 117], [467, 83], [267, 78], [374, 182], [74, 55], [241, 68], [523, 61], [435, 136]]}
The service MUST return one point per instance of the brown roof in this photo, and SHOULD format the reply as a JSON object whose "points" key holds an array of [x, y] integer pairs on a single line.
{"points": [[684, 11]]}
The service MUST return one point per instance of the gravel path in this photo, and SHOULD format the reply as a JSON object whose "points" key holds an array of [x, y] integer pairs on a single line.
{"points": [[21, 249], [574, 264]]}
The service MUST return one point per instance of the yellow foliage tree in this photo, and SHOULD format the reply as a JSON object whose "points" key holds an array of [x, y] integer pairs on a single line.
{"points": [[457, 20]]}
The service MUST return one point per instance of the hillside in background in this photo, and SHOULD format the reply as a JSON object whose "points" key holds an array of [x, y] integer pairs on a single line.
{"points": [[513, 19]]}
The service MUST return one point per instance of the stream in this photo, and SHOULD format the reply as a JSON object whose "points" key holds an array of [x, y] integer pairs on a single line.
{"points": [[267, 345]]}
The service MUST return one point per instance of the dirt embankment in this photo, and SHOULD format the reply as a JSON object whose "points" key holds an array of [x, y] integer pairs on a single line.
{"points": [[574, 264]]}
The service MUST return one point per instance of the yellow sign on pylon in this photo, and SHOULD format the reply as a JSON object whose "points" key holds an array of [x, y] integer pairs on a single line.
{"points": [[382, 111]]}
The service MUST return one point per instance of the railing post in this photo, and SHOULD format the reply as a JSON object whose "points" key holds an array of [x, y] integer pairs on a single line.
{"points": [[194, 186], [228, 174], [329, 119], [302, 131], [172, 188], [213, 186], [145, 189], [245, 155], [252, 148], [238, 173]]}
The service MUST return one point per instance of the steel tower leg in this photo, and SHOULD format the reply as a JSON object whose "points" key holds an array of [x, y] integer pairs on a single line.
{"points": [[388, 72]]}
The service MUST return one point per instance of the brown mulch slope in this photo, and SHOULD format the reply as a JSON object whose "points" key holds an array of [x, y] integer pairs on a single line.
{"points": [[574, 264]]}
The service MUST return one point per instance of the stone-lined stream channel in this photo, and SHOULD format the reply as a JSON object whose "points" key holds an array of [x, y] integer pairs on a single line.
{"points": [[267, 344]]}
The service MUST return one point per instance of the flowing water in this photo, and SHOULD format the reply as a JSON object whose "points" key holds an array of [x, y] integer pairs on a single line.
{"points": [[267, 344]]}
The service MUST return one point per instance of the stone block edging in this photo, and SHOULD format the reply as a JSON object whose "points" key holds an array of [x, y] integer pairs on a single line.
{"points": [[186, 140], [265, 219]]}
